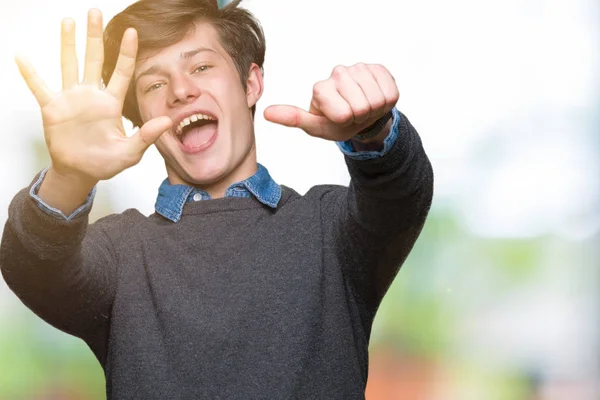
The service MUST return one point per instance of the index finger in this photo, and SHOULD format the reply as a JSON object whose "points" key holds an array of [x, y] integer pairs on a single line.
{"points": [[121, 77], [37, 86]]}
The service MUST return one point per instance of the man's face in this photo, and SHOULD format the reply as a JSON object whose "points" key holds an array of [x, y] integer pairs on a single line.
{"points": [[196, 84]]}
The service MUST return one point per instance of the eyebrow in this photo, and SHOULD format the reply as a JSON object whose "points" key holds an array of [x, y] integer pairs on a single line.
{"points": [[156, 69], [192, 53]]}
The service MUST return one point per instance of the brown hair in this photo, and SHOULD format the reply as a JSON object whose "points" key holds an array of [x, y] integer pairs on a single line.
{"points": [[162, 23]]}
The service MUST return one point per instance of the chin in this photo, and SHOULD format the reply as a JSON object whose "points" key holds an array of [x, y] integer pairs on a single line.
{"points": [[206, 174]]}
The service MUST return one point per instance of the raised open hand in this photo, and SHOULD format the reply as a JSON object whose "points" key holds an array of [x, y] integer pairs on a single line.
{"points": [[83, 124]]}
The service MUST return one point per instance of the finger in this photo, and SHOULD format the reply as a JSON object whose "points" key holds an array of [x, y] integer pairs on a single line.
{"points": [[387, 84], [68, 54], [94, 51], [121, 77], [328, 101], [363, 76], [148, 134], [294, 117], [351, 92], [40, 90]]}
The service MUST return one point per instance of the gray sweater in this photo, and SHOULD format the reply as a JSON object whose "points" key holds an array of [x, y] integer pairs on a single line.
{"points": [[237, 300]]}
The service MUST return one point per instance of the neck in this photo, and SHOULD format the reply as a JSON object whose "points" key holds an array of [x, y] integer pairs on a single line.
{"points": [[217, 189], [242, 172]]}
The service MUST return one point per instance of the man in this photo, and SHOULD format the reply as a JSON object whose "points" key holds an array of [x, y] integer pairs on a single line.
{"points": [[236, 287]]}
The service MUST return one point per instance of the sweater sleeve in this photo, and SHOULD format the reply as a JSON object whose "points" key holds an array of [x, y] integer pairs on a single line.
{"points": [[63, 270], [374, 224]]}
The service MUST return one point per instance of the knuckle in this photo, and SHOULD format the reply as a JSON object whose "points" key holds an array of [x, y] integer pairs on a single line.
{"points": [[378, 67], [320, 89], [380, 70], [342, 117], [360, 67], [338, 71]]}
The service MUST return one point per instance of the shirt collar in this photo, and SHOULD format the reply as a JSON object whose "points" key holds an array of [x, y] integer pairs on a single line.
{"points": [[172, 198]]}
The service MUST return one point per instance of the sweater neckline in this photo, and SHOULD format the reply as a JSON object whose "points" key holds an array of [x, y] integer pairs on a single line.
{"points": [[234, 204]]}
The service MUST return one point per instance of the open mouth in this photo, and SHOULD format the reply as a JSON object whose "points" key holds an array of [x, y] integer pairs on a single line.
{"points": [[196, 130]]}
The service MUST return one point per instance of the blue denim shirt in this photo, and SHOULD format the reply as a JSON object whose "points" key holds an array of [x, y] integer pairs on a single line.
{"points": [[172, 198]]}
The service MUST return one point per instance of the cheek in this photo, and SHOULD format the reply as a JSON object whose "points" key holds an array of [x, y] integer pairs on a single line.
{"points": [[161, 145], [144, 113], [230, 89], [147, 110]]}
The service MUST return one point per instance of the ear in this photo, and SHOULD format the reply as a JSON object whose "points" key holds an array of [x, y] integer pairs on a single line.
{"points": [[254, 85]]}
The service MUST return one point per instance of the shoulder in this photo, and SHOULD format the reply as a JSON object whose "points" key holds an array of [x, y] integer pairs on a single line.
{"points": [[316, 195], [117, 224]]}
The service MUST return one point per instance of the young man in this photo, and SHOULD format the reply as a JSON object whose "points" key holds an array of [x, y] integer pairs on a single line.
{"points": [[236, 287]]}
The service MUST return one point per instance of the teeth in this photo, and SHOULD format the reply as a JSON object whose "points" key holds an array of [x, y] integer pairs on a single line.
{"points": [[190, 119]]}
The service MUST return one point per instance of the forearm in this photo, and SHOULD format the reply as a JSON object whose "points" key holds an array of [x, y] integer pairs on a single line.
{"points": [[402, 175], [55, 266], [385, 209]]}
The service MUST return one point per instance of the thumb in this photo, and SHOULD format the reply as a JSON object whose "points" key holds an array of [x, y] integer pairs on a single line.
{"points": [[295, 117], [149, 133]]}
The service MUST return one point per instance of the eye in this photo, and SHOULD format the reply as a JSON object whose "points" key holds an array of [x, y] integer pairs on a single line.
{"points": [[202, 68], [153, 87]]}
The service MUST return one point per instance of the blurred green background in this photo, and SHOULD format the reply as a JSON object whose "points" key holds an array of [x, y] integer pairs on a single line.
{"points": [[499, 298]]}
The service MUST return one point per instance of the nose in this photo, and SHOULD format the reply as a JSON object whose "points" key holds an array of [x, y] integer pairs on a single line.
{"points": [[183, 90]]}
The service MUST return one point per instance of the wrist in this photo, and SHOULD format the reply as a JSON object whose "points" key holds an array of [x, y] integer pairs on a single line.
{"points": [[377, 129], [70, 181], [64, 191]]}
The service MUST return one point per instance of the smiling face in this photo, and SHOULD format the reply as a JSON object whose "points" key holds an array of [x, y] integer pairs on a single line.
{"points": [[195, 83]]}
